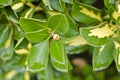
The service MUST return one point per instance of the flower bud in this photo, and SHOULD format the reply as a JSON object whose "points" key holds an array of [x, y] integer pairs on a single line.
{"points": [[56, 37]]}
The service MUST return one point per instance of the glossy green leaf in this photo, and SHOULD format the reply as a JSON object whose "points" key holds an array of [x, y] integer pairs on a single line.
{"points": [[57, 5], [73, 30], [58, 56], [35, 30], [68, 1], [38, 57], [7, 47], [6, 53], [19, 34], [58, 23], [57, 50], [4, 34], [47, 74], [95, 40], [85, 14], [76, 49], [103, 56], [117, 58]]}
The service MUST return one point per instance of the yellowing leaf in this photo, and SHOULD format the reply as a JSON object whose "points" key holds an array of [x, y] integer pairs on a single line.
{"points": [[119, 59], [118, 8], [115, 15], [29, 46], [117, 45], [51, 13], [101, 32], [26, 76], [28, 13], [7, 44], [77, 41], [17, 6], [90, 13], [11, 74], [22, 51]]}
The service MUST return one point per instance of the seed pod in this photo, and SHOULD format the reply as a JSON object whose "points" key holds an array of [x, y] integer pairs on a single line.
{"points": [[56, 37]]}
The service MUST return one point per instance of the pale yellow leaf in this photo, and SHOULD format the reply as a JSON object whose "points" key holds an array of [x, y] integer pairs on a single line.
{"points": [[7, 44], [119, 8], [28, 13], [29, 46], [77, 41], [17, 6], [101, 32], [115, 15], [26, 76], [119, 59], [52, 13], [117, 45], [11, 74], [22, 51], [90, 13]]}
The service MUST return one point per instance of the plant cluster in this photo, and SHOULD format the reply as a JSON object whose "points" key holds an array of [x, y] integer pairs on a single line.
{"points": [[37, 36]]}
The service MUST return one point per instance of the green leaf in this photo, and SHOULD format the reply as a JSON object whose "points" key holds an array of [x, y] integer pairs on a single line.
{"points": [[11, 14], [47, 74], [38, 57], [15, 63], [3, 18], [5, 2], [103, 56], [23, 46], [35, 30], [47, 3], [4, 34], [117, 58], [57, 5], [58, 56], [58, 24], [75, 45], [96, 39], [6, 53], [19, 34], [73, 30], [68, 1], [116, 55], [109, 3], [90, 2], [76, 49], [85, 14], [7, 49], [76, 41]]}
